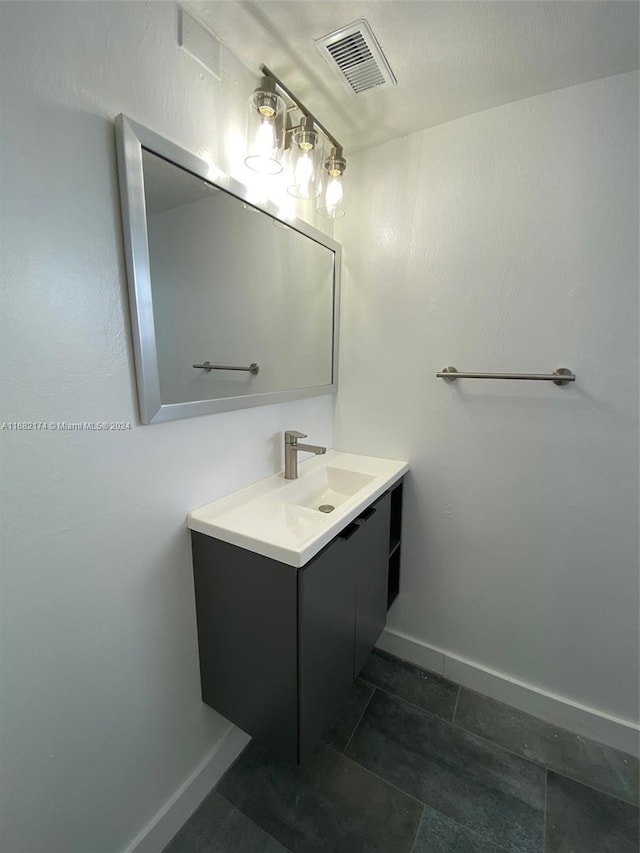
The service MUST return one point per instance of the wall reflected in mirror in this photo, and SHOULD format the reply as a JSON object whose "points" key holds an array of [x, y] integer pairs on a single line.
{"points": [[233, 286]]}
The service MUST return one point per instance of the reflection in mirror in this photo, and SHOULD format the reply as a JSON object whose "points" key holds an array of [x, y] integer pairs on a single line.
{"points": [[231, 306], [232, 286]]}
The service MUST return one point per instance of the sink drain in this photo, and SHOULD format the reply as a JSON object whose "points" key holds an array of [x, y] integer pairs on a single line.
{"points": [[326, 507]]}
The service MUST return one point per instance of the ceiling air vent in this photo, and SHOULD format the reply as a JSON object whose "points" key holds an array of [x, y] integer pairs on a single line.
{"points": [[353, 51]]}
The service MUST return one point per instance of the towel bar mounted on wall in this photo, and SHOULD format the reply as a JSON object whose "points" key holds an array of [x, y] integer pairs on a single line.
{"points": [[561, 376], [206, 365]]}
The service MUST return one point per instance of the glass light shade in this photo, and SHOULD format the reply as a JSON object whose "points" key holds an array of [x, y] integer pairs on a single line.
{"points": [[305, 164], [330, 203], [331, 198], [265, 131]]}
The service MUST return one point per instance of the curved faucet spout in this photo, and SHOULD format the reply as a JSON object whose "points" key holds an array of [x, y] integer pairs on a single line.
{"points": [[312, 448]]}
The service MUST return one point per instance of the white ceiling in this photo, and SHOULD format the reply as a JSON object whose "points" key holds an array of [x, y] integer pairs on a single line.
{"points": [[450, 58]]}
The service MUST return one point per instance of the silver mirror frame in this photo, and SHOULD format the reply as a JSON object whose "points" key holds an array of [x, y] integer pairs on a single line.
{"points": [[131, 138]]}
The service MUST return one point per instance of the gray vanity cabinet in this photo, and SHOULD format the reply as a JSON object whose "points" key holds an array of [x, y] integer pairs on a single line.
{"points": [[326, 626], [372, 579], [247, 616], [280, 646]]}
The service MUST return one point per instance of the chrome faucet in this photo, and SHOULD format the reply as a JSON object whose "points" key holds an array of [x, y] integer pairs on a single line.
{"points": [[291, 449]]}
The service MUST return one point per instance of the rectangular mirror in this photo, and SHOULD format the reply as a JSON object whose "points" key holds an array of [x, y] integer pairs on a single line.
{"points": [[231, 306]]}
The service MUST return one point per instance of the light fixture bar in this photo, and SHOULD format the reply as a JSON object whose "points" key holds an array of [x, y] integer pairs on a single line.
{"points": [[300, 105]]}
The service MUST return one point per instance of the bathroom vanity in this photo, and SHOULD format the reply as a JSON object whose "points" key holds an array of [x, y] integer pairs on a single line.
{"points": [[290, 600]]}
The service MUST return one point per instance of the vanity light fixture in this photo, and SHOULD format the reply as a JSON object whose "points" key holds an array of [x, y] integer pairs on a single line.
{"points": [[270, 135], [265, 129]]}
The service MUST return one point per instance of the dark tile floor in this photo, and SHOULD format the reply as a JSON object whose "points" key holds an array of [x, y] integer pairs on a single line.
{"points": [[417, 764]]}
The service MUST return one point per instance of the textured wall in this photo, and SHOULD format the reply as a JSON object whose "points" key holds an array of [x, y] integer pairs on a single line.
{"points": [[507, 241], [101, 713]]}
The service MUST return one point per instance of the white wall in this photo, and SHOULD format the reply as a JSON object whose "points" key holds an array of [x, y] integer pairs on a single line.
{"points": [[507, 241], [101, 714]]}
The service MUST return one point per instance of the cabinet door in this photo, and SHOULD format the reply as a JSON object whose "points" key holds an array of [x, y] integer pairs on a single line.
{"points": [[372, 574], [247, 630], [326, 627]]}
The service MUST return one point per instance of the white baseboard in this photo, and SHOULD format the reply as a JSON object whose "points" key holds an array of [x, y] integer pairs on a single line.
{"points": [[581, 719], [159, 831]]}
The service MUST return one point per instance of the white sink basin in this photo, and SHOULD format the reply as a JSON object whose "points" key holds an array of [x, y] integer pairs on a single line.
{"points": [[281, 518], [328, 487]]}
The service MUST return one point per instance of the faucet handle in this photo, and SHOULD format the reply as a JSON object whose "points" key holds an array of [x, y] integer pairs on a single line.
{"points": [[291, 436]]}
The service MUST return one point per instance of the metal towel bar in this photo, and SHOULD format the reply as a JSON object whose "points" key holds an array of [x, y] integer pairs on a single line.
{"points": [[206, 365], [561, 376]]}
